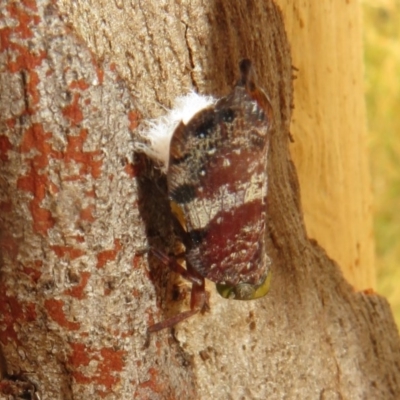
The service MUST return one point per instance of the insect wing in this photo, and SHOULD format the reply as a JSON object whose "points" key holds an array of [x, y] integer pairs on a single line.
{"points": [[218, 177]]}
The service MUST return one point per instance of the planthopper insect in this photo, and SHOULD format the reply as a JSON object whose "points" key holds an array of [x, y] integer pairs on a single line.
{"points": [[214, 154]]}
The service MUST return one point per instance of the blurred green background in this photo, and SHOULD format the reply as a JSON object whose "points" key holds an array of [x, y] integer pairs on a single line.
{"points": [[382, 77]]}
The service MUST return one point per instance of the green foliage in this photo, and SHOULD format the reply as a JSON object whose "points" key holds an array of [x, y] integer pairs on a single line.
{"points": [[382, 65]]}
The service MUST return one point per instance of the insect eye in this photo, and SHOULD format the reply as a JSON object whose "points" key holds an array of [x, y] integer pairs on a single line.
{"points": [[227, 115], [245, 291], [205, 128]]}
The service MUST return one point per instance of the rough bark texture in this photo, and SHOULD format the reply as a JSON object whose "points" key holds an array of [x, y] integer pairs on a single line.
{"points": [[77, 292]]}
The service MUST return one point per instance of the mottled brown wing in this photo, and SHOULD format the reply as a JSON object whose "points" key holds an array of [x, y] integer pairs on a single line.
{"points": [[218, 177]]}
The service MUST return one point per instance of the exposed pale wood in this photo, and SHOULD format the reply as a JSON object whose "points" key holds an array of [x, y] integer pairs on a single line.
{"points": [[329, 128], [77, 292]]}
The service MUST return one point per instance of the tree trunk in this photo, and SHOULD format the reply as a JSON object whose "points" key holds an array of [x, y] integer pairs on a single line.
{"points": [[77, 210]]}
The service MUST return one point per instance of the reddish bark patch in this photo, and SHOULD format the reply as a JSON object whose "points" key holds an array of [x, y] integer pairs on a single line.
{"points": [[26, 60], [9, 245], [80, 355], [13, 313], [86, 214], [67, 251], [32, 273], [110, 363], [112, 360], [132, 170], [36, 138], [136, 261], [79, 84], [37, 183], [10, 123], [23, 29], [34, 270], [30, 4], [90, 193], [75, 153], [134, 118], [153, 383], [5, 145], [6, 206], [42, 218], [79, 290], [108, 255], [100, 74], [31, 87], [55, 310], [30, 312], [73, 112]]}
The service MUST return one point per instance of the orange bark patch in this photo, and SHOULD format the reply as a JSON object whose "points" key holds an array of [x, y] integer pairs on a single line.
{"points": [[42, 218], [100, 74], [55, 309], [80, 355], [73, 112], [79, 84], [132, 170], [90, 193], [34, 270], [30, 312], [30, 184], [79, 290], [86, 214], [31, 87], [32, 273], [5, 206], [25, 20], [136, 261], [36, 138], [30, 4], [67, 251], [108, 255], [134, 118], [153, 383], [112, 360], [13, 313], [110, 363], [9, 245], [75, 153], [37, 184], [26, 60], [5, 145]]}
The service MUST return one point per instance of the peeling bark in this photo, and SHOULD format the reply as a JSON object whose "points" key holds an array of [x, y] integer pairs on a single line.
{"points": [[77, 210]]}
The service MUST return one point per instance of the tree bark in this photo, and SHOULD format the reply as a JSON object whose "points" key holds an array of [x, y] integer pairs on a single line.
{"points": [[77, 210]]}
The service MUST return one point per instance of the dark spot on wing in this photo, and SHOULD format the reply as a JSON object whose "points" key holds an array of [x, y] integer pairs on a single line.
{"points": [[183, 194], [205, 128], [197, 235], [227, 115]]}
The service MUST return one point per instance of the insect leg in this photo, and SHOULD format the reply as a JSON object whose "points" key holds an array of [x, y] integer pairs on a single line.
{"points": [[198, 298], [172, 264]]}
